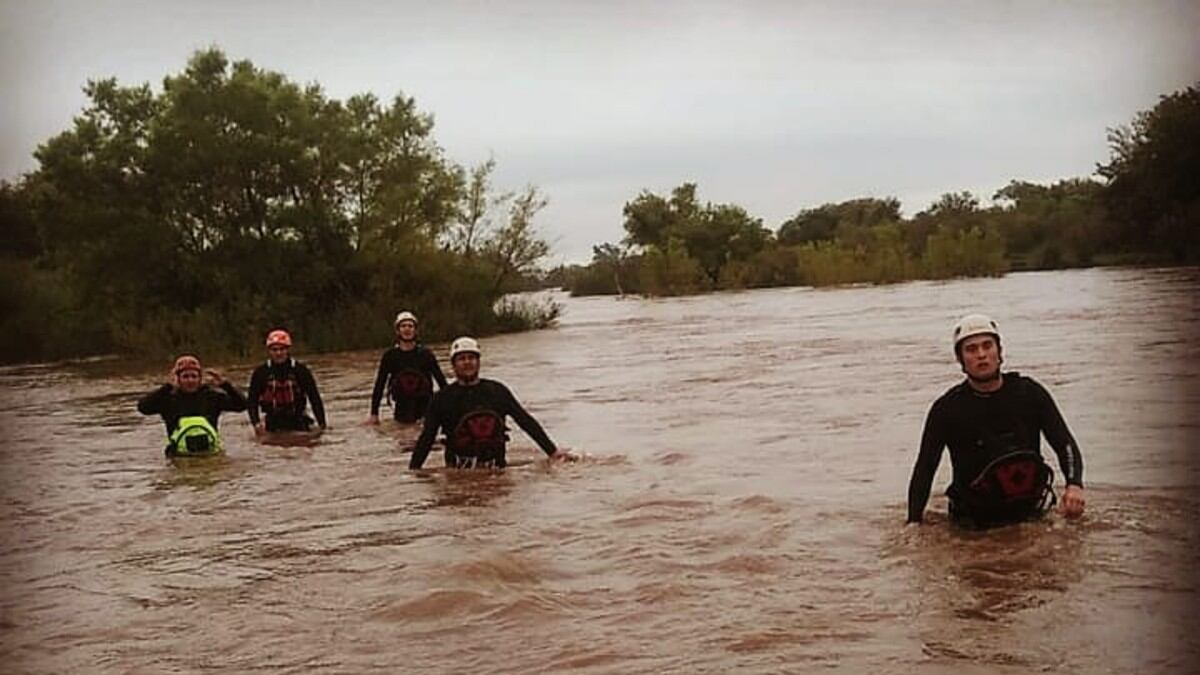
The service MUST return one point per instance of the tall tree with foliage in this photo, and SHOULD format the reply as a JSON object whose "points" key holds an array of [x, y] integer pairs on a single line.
{"points": [[516, 247], [1152, 189], [709, 234], [235, 200]]}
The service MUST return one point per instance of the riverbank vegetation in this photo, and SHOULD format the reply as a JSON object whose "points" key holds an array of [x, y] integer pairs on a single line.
{"points": [[233, 201], [230, 201], [1145, 209]]}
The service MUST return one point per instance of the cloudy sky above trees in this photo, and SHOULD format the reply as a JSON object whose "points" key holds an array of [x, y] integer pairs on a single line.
{"points": [[776, 106]]}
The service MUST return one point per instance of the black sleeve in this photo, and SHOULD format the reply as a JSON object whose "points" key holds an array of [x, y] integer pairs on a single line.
{"points": [[231, 399], [257, 384], [309, 384], [155, 402], [928, 458], [433, 420], [1059, 436], [435, 369], [380, 381], [527, 423]]}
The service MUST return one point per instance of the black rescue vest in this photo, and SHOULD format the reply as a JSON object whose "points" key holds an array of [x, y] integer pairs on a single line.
{"points": [[409, 384], [477, 440], [1013, 485]]}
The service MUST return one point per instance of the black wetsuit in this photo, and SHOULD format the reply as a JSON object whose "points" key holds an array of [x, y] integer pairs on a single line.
{"points": [[283, 391], [409, 377], [452, 410], [205, 402], [978, 428]]}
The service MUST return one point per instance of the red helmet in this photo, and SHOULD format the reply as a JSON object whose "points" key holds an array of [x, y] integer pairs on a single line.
{"points": [[187, 362], [279, 337]]}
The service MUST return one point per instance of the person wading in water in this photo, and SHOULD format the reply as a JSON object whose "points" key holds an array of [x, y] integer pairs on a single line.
{"points": [[992, 422], [190, 408], [282, 388], [408, 371], [472, 413]]}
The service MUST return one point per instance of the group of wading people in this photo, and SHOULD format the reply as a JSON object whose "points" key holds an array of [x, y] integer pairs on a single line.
{"points": [[992, 421], [471, 411]]}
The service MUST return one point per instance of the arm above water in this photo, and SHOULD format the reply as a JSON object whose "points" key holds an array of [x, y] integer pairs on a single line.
{"points": [[231, 399], [433, 420], [526, 421], [434, 369], [155, 402], [309, 384], [380, 380], [1059, 436], [926, 466], [1069, 458], [258, 382]]}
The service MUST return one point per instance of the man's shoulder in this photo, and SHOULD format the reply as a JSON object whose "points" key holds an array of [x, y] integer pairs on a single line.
{"points": [[1025, 385], [494, 385], [955, 391]]}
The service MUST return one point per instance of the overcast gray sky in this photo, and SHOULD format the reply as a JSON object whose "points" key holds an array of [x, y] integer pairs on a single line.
{"points": [[776, 106]]}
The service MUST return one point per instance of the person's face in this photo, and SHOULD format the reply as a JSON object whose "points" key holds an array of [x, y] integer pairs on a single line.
{"points": [[407, 331], [466, 367], [980, 357], [189, 380], [278, 353]]}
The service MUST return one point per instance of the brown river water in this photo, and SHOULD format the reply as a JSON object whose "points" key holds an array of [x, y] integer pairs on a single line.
{"points": [[740, 505]]}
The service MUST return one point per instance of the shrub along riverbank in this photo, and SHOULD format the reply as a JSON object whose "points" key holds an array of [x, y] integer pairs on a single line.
{"points": [[231, 201], [1145, 210]]}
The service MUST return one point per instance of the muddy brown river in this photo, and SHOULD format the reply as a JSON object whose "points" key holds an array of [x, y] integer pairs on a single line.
{"points": [[740, 505]]}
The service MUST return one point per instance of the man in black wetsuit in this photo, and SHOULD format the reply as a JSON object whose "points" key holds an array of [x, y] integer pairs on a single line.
{"points": [[282, 388], [992, 422], [185, 398], [408, 371], [471, 412]]}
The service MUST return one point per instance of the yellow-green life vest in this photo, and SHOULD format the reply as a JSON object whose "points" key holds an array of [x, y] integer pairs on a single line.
{"points": [[194, 436]]}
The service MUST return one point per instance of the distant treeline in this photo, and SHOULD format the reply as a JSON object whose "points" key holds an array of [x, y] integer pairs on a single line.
{"points": [[1146, 210], [235, 201]]}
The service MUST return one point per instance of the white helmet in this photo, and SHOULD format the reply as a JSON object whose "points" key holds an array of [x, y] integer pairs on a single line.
{"points": [[464, 345], [405, 316], [974, 324]]}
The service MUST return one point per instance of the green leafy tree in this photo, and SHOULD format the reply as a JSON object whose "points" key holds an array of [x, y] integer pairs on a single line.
{"points": [[516, 248], [19, 236], [1048, 226], [670, 270], [711, 235], [235, 200], [844, 220], [609, 259], [1152, 190], [473, 220]]}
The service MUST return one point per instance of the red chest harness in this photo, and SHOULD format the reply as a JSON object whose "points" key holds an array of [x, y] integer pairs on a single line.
{"points": [[281, 394]]}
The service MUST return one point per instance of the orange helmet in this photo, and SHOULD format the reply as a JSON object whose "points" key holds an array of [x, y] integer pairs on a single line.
{"points": [[279, 337], [187, 362]]}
